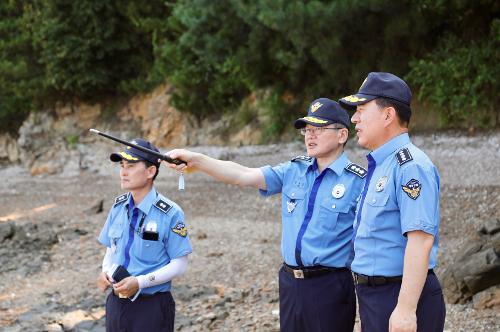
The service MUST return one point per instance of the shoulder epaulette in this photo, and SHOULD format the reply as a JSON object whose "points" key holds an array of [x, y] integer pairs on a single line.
{"points": [[403, 156], [303, 158], [163, 206], [356, 169], [120, 199]]}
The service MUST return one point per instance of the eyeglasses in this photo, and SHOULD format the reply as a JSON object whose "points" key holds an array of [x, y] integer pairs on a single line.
{"points": [[316, 130]]}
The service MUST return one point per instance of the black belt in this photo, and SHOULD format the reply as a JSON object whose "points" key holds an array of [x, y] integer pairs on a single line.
{"points": [[310, 271], [143, 295], [361, 279]]}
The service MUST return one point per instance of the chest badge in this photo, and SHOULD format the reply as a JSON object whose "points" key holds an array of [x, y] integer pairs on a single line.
{"points": [[380, 185], [290, 205], [338, 191]]}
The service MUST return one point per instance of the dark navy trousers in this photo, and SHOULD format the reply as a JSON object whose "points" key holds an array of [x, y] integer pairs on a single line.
{"points": [[376, 304], [322, 303], [153, 313]]}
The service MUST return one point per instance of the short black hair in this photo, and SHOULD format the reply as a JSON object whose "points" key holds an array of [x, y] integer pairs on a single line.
{"points": [[402, 110], [149, 164]]}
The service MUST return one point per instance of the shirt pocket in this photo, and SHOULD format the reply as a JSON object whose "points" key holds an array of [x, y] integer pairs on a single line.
{"points": [[150, 251], [293, 204], [378, 210], [330, 211], [377, 200], [115, 233]]}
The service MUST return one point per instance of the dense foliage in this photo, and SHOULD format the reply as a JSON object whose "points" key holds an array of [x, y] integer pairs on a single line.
{"points": [[216, 53]]}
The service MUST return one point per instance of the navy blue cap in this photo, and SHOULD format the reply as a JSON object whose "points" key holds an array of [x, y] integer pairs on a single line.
{"points": [[322, 112], [377, 85], [133, 155]]}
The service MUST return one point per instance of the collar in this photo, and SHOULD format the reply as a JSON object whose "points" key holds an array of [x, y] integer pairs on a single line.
{"points": [[389, 148], [146, 202], [336, 166]]}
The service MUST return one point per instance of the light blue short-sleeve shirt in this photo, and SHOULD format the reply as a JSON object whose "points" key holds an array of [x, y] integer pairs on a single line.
{"points": [[402, 196], [317, 210], [157, 214]]}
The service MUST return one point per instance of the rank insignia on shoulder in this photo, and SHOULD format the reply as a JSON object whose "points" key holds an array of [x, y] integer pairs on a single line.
{"points": [[412, 189], [180, 229], [121, 199], [162, 205], [356, 169], [403, 156], [303, 158]]}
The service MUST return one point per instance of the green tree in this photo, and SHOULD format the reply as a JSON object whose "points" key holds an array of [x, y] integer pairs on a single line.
{"points": [[91, 48], [20, 74], [222, 50], [461, 74]]}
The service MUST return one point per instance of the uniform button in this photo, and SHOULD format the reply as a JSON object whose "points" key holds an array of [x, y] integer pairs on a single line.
{"points": [[374, 200], [293, 194], [333, 206]]}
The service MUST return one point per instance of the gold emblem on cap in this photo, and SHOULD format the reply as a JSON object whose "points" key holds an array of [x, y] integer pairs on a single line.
{"points": [[127, 156], [315, 106], [353, 99], [314, 120]]}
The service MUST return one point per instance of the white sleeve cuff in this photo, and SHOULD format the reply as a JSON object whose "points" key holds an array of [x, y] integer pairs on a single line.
{"points": [[176, 268], [107, 260]]}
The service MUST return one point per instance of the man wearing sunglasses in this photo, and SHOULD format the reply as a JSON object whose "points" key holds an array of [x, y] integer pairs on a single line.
{"points": [[319, 194]]}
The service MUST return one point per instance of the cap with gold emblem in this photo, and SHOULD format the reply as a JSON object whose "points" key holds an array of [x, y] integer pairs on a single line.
{"points": [[376, 85], [133, 155], [322, 112]]}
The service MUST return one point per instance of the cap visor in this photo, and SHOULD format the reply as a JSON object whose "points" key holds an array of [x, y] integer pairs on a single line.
{"points": [[312, 120], [350, 102], [119, 156]]}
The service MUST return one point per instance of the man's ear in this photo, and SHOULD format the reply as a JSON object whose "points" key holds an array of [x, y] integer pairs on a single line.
{"points": [[151, 171], [390, 115], [343, 135]]}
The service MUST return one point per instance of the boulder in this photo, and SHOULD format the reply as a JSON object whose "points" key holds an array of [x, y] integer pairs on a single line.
{"points": [[475, 268], [487, 299], [9, 151]]}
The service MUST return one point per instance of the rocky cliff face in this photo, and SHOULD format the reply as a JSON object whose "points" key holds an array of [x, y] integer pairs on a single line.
{"points": [[58, 141]]}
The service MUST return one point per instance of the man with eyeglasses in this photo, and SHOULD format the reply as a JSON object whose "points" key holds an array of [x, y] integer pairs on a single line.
{"points": [[319, 195]]}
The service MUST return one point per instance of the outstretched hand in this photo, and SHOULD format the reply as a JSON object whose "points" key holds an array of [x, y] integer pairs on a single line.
{"points": [[182, 154]]}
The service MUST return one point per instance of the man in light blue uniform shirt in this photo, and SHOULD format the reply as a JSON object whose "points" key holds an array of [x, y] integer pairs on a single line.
{"points": [[397, 221], [147, 246], [319, 193]]}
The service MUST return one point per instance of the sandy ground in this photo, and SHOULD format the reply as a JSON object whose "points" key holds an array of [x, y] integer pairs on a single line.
{"points": [[50, 257]]}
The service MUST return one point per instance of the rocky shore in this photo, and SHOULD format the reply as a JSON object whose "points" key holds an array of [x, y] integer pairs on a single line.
{"points": [[49, 255]]}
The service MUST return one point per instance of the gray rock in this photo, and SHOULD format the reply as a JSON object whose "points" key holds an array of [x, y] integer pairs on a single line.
{"points": [[95, 208], [490, 227], [476, 267], [7, 231], [489, 298]]}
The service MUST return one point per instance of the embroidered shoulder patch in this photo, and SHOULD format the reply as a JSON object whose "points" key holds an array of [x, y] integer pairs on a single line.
{"points": [[162, 205], [303, 158], [403, 156], [121, 199], [412, 189], [180, 229], [356, 169]]}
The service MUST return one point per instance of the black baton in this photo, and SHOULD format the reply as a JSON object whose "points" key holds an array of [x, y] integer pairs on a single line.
{"points": [[141, 148]]}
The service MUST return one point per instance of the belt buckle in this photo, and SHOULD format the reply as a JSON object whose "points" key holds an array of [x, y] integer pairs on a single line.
{"points": [[298, 274]]}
